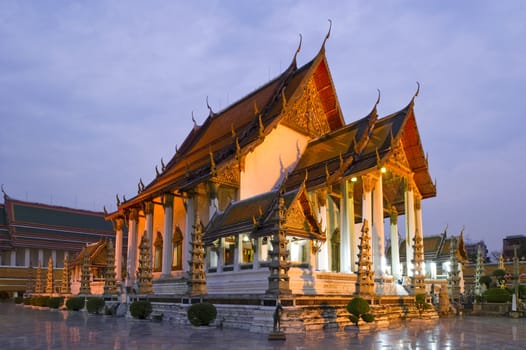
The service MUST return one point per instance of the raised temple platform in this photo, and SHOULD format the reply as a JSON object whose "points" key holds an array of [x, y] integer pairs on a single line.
{"points": [[300, 313]]}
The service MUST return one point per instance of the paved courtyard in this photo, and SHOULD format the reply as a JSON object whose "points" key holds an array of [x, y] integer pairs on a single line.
{"points": [[25, 328]]}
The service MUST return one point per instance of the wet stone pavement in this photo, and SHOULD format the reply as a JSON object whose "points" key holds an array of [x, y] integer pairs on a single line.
{"points": [[26, 328]]}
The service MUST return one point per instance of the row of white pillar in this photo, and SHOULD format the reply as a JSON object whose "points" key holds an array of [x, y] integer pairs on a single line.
{"points": [[373, 212], [27, 258]]}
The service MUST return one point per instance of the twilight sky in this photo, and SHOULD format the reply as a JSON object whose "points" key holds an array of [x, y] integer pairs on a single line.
{"points": [[94, 93]]}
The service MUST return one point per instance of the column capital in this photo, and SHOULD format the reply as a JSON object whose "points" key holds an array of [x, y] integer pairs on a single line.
{"points": [[133, 214], [393, 215], [148, 207], [418, 203], [369, 182], [168, 200], [119, 223]]}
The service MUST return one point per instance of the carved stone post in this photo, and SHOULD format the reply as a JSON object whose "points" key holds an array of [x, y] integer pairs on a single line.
{"points": [[196, 273], [278, 281], [119, 223], [365, 273], [110, 286]]}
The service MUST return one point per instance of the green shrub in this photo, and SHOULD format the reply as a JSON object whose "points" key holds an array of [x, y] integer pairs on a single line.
{"points": [[95, 305], [141, 309], [55, 302], [421, 303], [359, 308], [41, 301], [201, 314], [4, 295], [27, 301], [19, 300], [75, 303], [497, 295]]}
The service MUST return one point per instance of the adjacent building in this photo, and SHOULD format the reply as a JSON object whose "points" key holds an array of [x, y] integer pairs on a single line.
{"points": [[32, 233]]}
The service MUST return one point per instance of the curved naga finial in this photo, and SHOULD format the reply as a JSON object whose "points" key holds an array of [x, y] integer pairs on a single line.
{"points": [[209, 108], [3, 191], [193, 119], [118, 199], [378, 99], [417, 90], [298, 49], [328, 33]]}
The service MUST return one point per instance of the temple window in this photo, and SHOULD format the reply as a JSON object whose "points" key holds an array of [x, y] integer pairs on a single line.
{"points": [[299, 252], [212, 256], [247, 256], [229, 249], [158, 253], [177, 245]]}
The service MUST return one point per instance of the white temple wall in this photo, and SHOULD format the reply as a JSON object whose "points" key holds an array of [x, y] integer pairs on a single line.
{"points": [[265, 166]]}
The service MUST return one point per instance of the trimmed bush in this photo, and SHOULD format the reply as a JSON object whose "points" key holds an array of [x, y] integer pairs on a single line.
{"points": [[27, 301], [19, 300], [4, 295], [40, 300], [421, 303], [359, 308], [485, 280], [55, 302], [497, 295], [201, 314], [95, 305], [141, 309], [75, 303]]}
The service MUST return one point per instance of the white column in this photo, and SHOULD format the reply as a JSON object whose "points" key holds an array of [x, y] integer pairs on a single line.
{"points": [[238, 256], [221, 255], [148, 213], [346, 226], [13, 258], [168, 203], [40, 257], [54, 257], [323, 253], [257, 249], [119, 223], [395, 252], [378, 229], [410, 229], [27, 257], [131, 266]]}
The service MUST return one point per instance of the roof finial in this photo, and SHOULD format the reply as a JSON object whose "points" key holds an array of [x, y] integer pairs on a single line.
{"points": [[298, 49], [209, 108], [193, 119], [417, 91], [378, 99], [261, 126], [163, 166], [118, 199], [328, 33], [3, 191], [256, 109]]}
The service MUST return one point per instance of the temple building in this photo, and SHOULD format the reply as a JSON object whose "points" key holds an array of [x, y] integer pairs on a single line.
{"points": [[272, 194], [32, 233]]}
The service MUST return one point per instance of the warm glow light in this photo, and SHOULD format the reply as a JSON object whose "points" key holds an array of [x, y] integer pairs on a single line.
{"points": [[383, 169], [354, 179]]}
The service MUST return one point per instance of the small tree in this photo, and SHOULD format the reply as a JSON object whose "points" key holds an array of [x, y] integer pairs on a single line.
{"points": [[95, 305], [201, 314], [141, 309], [485, 280], [359, 308], [421, 303]]}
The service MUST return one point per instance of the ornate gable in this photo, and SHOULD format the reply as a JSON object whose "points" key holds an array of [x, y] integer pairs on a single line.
{"points": [[306, 114]]}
